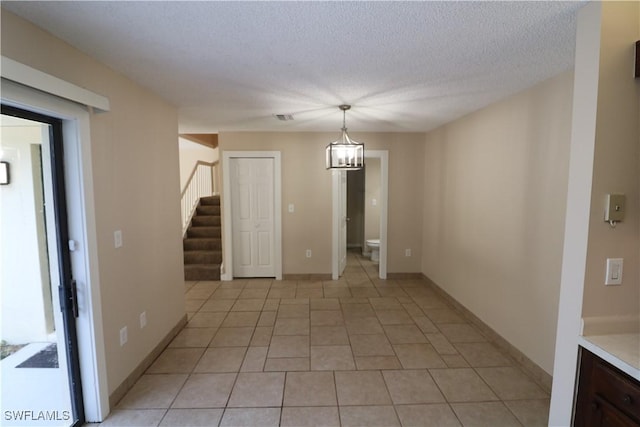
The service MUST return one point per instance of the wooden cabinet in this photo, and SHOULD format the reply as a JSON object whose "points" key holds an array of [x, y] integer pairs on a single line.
{"points": [[606, 396]]}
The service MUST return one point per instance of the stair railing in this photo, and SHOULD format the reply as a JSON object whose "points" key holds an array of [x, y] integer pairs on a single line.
{"points": [[202, 182]]}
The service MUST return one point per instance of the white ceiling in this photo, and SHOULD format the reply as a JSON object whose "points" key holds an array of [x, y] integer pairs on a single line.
{"points": [[404, 66]]}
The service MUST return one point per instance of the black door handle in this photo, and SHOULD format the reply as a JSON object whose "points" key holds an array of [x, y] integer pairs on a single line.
{"points": [[74, 298], [69, 298]]}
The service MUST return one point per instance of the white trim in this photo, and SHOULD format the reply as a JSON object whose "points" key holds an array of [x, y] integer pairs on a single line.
{"points": [[336, 221], [28, 76], [576, 228], [384, 207], [383, 155], [82, 229], [227, 246]]}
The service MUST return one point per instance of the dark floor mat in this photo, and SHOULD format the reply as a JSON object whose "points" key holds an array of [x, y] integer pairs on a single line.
{"points": [[45, 358]]}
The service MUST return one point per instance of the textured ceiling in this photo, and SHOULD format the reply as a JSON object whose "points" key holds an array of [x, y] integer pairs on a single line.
{"points": [[404, 66]]}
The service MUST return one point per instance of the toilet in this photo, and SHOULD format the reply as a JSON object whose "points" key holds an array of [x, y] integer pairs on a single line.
{"points": [[374, 247]]}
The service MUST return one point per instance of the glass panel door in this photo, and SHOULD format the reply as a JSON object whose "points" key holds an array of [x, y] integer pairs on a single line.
{"points": [[38, 383]]}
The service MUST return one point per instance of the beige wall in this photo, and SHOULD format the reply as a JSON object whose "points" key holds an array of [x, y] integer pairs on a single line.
{"points": [[615, 169], [307, 184], [495, 187], [136, 188], [190, 154]]}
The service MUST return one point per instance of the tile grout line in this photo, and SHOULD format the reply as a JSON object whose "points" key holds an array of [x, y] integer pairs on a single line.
{"points": [[284, 388], [335, 386]]}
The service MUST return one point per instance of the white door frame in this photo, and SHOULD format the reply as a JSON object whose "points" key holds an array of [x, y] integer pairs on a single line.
{"points": [[227, 246], [82, 229], [383, 155], [338, 221]]}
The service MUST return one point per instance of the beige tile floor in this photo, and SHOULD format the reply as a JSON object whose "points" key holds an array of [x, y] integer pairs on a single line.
{"points": [[355, 352]]}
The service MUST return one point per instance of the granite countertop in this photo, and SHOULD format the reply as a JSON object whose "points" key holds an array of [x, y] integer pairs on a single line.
{"points": [[621, 350]]}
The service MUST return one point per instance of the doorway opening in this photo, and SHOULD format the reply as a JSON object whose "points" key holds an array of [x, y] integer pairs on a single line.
{"points": [[40, 371], [360, 211], [363, 208], [78, 254], [356, 210]]}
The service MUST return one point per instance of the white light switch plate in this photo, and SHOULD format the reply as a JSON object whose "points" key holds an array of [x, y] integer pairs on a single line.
{"points": [[123, 336], [614, 271], [117, 239]]}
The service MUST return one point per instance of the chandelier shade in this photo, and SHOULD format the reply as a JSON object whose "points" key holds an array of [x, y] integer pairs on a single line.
{"points": [[345, 153]]}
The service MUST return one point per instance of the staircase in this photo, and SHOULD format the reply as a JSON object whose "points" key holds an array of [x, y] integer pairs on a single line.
{"points": [[203, 242]]}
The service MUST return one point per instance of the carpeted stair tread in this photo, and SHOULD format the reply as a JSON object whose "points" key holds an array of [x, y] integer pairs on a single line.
{"points": [[203, 257], [203, 242], [206, 220], [203, 232], [195, 272], [208, 210], [210, 201]]}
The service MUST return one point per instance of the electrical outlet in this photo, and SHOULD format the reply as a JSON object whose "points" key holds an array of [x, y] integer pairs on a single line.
{"points": [[308, 254], [143, 319], [117, 238], [123, 336], [407, 252]]}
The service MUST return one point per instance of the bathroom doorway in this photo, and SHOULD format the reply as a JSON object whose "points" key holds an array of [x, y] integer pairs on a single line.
{"points": [[363, 206], [355, 210], [357, 236]]}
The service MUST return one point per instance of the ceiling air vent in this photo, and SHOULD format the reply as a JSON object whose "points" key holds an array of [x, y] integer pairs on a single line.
{"points": [[283, 117]]}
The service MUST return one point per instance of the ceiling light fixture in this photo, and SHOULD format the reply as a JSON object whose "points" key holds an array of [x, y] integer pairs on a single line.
{"points": [[345, 153]]}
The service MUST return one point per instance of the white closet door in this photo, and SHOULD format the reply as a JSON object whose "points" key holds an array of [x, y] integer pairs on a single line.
{"points": [[252, 199]]}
